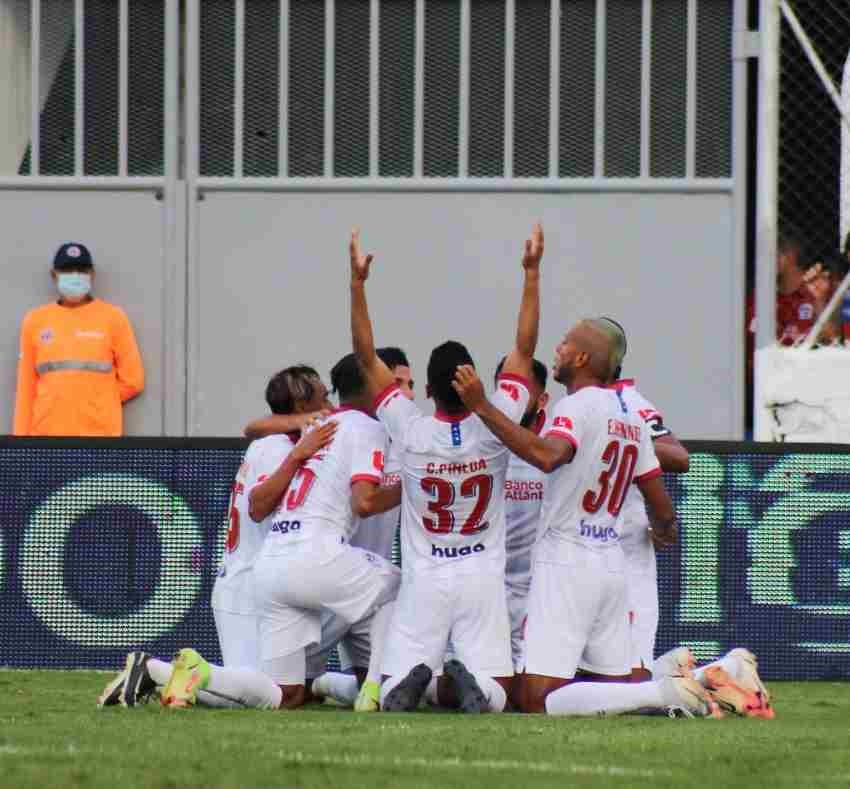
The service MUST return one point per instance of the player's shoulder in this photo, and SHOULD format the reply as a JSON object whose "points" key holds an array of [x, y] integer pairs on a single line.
{"points": [[278, 442], [631, 394]]}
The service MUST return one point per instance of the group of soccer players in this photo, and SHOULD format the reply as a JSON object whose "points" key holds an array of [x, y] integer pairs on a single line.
{"points": [[528, 539]]}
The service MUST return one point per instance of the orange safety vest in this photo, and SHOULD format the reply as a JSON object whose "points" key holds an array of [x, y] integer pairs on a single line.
{"points": [[76, 367]]}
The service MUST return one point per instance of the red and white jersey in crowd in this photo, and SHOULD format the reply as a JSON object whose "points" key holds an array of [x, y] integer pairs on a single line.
{"points": [[233, 590], [523, 502], [453, 474], [583, 499], [317, 503], [636, 544], [377, 532]]}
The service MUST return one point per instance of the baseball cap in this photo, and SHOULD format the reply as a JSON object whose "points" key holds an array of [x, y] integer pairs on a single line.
{"points": [[72, 255]]}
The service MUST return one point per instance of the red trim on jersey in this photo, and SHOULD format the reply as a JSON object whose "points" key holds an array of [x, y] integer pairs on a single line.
{"points": [[366, 478], [444, 417], [656, 472], [621, 384], [384, 394], [515, 378], [562, 434]]}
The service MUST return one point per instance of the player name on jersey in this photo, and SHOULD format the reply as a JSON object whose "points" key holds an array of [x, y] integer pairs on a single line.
{"points": [[622, 430], [456, 468]]}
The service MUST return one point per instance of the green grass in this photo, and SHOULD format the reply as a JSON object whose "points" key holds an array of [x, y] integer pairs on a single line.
{"points": [[51, 734]]}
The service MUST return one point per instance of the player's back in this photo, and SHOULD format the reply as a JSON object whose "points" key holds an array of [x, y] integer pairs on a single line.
{"points": [[583, 499], [244, 535], [317, 503], [636, 543]]}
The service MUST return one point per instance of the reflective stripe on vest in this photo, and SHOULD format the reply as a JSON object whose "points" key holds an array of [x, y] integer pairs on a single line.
{"points": [[73, 364]]}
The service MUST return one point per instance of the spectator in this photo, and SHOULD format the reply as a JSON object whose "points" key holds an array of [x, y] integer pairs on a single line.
{"points": [[78, 358], [822, 280]]}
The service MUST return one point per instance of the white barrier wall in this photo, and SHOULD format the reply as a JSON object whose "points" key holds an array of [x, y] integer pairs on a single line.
{"points": [[271, 289]]}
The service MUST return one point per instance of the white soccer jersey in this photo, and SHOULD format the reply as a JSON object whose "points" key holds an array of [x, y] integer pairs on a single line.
{"points": [[523, 501], [583, 499], [318, 500], [377, 532], [453, 471], [233, 590], [640, 553]]}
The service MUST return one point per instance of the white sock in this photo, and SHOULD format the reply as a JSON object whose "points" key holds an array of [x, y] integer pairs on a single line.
{"points": [[495, 693], [728, 663], [377, 639], [340, 687], [604, 698], [431, 692], [244, 686], [206, 699], [159, 670]]}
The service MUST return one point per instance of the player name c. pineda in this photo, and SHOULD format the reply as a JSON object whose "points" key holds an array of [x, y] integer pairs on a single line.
{"points": [[456, 468]]}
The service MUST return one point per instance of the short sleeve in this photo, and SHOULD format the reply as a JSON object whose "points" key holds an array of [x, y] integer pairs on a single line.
{"points": [[511, 396], [647, 466], [369, 455], [263, 459], [651, 417], [566, 421], [396, 413]]}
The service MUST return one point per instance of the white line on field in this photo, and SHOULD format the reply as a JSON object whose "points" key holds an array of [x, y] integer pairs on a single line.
{"points": [[482, 764]]}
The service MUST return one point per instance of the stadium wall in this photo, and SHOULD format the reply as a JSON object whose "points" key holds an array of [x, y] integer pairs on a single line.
{"points": [[113, 544]]}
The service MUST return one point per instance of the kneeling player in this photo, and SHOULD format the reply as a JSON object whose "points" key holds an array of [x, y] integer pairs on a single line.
{"points": [[593, 448]]}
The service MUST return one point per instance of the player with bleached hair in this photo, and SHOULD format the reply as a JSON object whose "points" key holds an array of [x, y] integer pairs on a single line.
{"points": [[453, 522], [592, 448]]}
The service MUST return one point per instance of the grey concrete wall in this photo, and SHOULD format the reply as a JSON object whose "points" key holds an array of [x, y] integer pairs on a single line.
{"points": [[124, 232], [271, 289]]}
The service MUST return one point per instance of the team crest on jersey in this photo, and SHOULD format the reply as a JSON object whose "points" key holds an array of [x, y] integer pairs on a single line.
{"points": [[805, 312], [46, 335], [511, 389], [378, 460]]}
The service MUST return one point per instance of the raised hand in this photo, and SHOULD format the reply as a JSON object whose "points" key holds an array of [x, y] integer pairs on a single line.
{"points": [[359, 262], [533, 253], [313, 441], [469, 387]]}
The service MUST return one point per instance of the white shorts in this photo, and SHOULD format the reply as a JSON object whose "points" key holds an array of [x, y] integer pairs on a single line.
{"points": [[517, 609], [643, 617], [351, 641], [239, 639], [436, 606], [294, 588], [577, 618]]}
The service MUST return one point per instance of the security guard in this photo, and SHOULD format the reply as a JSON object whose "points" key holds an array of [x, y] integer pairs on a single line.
{"points": [[79, 360]]}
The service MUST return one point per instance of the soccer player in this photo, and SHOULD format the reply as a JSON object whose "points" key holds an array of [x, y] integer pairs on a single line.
{"points": [[592, 448], [292, 392], [453, 522], [523, 499], [306, 564]]}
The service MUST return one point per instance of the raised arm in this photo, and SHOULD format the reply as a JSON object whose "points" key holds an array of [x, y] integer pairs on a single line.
{"points": [[377, 374], [519, 360], [547, 454]]}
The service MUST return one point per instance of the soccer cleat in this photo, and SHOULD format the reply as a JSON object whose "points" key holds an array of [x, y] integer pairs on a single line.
{"points": [[678, 662], [749, 679], [190, 673], [405, 696], [687, 694], [112, 692], [732, 697], [471, 698], [138, 685], [369, 697]]}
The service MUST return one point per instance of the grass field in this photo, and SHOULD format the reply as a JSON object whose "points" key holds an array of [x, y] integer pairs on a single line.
{"points": [[51, 734]]}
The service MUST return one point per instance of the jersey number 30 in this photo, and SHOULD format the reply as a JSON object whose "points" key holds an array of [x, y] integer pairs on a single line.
{"points": [[481, 485], [620, 468]]}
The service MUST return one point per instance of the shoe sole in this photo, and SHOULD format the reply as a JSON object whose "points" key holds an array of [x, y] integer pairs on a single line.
{"points": [[752, 683], [181, 690], [136, 670], [731, 696], [405, 696], [113, 688], [471, 697]]}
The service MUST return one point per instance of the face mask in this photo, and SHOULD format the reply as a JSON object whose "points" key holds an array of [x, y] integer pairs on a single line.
{"points": [[74, 286]]}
